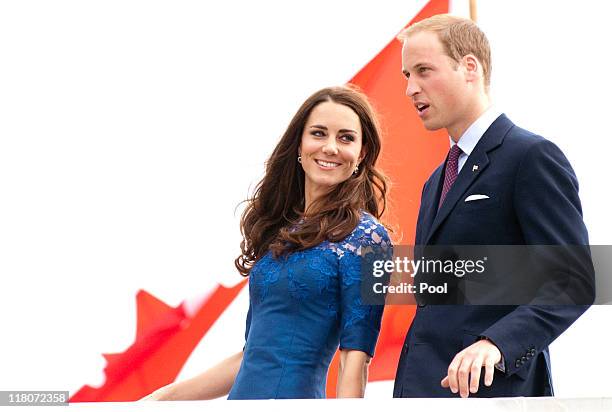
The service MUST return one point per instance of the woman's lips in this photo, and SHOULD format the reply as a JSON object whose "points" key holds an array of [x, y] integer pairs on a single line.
{"points": [[326, 165]]}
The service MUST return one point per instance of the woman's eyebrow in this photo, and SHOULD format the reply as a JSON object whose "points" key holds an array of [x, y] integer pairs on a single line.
{"points": [[318, 126]]}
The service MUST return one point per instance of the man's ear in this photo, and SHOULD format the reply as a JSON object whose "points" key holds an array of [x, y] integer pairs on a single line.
{"points": [[473, 68]]}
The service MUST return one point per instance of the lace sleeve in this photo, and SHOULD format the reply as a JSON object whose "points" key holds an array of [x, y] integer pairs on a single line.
{"points": [[360, 322]]}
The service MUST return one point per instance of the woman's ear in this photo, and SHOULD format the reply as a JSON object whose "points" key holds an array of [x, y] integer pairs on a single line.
{"points": [[362, 155]]}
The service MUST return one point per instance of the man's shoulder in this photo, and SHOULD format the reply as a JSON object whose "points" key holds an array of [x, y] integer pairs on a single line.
{"points": [[518, 138], [521, 142], [523, 149]]}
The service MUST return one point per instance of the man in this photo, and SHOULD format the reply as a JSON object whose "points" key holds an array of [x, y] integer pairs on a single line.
{"points": [[499, 185]]}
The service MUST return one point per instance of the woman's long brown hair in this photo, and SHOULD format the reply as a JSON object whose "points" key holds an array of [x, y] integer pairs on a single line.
{"points": [[275, 219]]}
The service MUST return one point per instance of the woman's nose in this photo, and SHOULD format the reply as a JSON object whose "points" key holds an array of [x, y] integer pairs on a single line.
{"points": [[330, 147]]}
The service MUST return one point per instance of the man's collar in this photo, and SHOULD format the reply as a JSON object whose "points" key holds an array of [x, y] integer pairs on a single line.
{"points": [[469, 139]]}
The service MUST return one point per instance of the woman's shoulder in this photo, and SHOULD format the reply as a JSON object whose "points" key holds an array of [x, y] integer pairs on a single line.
{"points": [[367, 218], [369, 232]]}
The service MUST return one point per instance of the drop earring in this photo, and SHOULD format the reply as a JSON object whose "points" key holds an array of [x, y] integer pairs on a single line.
{"points": [[299, 159]]}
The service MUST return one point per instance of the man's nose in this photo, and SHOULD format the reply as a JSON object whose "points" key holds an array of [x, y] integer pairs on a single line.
{"points": [[330, 148], [412, 88]]}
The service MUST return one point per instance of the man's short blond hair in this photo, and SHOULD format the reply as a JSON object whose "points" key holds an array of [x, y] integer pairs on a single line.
{"points": [[459, 37]]}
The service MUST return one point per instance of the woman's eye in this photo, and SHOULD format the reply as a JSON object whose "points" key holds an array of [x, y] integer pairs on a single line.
{"points": [[317, 133], [348, 138]]}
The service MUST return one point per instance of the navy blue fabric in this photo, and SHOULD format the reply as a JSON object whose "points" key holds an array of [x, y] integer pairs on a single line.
{"points": [[302, 307], [533, 200]]}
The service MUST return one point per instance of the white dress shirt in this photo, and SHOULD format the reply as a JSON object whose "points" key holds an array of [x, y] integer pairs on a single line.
{"points": [[469, 139]]}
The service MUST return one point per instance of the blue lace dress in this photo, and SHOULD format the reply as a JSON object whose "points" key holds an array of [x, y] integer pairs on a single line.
{"points": [[302, 306]]}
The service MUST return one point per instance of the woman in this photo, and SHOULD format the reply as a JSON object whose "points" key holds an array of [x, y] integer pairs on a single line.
{"points": [[311, 219]]}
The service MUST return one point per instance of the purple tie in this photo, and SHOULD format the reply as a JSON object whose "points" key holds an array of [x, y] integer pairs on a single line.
{"points": [[450, 173]]}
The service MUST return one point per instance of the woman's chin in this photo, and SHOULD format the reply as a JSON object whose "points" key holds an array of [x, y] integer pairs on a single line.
{"points": [[325, 185]]}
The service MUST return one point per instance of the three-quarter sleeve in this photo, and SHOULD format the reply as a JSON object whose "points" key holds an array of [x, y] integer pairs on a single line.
{"points": [[360, 321]]}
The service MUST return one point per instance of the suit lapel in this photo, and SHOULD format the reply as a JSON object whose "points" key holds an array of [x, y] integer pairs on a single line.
{"points": [[492, 138], [430, 200]]}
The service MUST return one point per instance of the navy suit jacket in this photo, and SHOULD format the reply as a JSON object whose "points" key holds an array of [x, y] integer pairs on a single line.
{"points": [[533, 200]]}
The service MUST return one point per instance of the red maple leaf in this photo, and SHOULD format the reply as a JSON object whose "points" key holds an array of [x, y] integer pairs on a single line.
{"points": [[165, 337]]}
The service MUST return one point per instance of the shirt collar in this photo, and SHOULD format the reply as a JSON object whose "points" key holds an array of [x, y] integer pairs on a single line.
{"points": [[469, 139]]}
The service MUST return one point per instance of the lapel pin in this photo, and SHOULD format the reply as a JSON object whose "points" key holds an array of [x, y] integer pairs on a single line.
{"points": [[474, 168]]}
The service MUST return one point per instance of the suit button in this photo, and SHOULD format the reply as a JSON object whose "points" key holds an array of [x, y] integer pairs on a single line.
{"points": [[523, 359], [517, 363]]}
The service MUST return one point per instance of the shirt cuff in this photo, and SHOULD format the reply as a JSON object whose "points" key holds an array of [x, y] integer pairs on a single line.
{"points": [[501, 365]]}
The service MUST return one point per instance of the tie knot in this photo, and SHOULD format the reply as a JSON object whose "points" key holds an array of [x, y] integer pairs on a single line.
{"points": [[454, 153]]}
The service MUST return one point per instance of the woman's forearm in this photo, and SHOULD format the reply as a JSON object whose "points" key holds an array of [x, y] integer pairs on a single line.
{"points": [[352, 374], [215, 382]]}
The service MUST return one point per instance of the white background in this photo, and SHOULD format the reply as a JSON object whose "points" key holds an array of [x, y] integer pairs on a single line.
{"points": [[130, 131]]}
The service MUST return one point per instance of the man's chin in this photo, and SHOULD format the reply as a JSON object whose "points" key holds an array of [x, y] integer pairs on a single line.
{"points": [[432, 126]]}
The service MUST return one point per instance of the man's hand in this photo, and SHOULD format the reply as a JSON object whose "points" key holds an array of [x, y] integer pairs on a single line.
{"points": [[467, 365]]}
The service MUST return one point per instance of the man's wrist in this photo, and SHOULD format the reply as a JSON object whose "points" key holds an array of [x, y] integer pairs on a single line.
{"points": [[501, 365]]}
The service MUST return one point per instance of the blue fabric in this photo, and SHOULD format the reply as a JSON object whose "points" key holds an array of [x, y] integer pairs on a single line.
{"points": [[302, 306]]}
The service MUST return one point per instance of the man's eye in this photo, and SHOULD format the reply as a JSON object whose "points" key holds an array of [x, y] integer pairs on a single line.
{"points": [[423, 69]]}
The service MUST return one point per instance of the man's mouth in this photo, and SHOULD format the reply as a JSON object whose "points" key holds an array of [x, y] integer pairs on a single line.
{"points": [[327, 165], [421, 107]]}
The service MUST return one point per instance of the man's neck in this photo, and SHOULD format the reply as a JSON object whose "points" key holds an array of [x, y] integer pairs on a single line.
{"points": [[480, 106]]}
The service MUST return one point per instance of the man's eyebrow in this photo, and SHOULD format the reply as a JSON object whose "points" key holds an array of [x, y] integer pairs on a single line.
{"points": [[318, 126], [415, 67]]}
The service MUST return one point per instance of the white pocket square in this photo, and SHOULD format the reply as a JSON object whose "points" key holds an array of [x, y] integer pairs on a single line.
{"points": [[475, 197]]}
